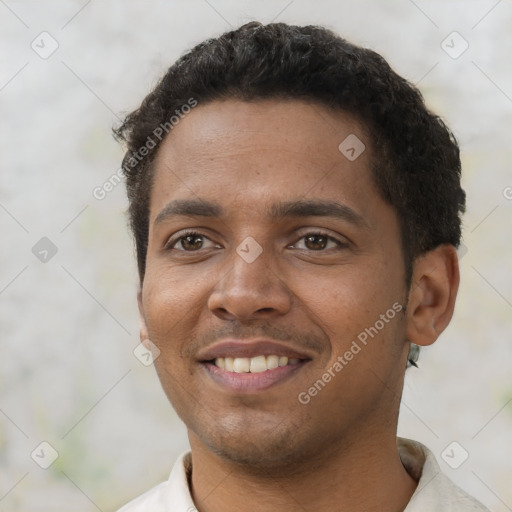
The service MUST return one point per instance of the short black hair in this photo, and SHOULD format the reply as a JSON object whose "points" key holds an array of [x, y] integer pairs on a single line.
{"points": [[416, 163]]}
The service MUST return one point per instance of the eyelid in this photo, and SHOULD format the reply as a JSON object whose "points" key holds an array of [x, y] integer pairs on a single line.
{"points": [[340, 240], [175, 238]]}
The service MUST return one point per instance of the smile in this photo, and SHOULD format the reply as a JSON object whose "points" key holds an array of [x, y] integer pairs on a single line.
{"points": [[250, 366], [256, 364], [243, 375]]}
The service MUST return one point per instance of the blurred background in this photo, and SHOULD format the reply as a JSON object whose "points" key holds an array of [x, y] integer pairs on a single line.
{"points": [[74, 398]]}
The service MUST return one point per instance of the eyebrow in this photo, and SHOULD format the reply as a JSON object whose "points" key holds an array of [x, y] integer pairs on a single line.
{"points": [[298, 208]]}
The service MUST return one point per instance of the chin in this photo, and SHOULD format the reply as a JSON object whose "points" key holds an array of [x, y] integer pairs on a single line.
{"points": [[258, 459], [259, 447]]}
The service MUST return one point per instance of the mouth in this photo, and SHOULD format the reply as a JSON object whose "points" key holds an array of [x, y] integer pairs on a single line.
{"points": [[252, 367], [258, 364]]}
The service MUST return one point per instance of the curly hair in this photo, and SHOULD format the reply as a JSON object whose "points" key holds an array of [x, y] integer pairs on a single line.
{"points": [[416, 164]]}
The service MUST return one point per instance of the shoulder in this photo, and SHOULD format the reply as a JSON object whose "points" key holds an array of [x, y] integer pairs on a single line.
{"points": [[152, 500], [444, 495], [463, 502], [435, 491], [168, 496]]}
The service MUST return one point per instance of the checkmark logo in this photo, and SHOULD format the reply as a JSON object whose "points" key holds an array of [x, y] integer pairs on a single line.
{"points": [[351, 147], [249, 250], [146, 352], [44, 455], [454, 45], [44, 250], [454, 455], [45, 45]]}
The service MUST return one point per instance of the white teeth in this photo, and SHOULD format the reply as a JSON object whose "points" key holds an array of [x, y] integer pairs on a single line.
{"points": [[241, 364], [228, 363], [256, 364], [272, 362]]}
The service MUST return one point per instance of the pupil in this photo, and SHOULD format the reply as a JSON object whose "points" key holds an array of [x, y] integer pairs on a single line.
{"points": [[316, 242], [192, 242]]}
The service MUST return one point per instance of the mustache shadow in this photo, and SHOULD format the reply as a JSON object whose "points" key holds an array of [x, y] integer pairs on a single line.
{"points": [[309, 342]]}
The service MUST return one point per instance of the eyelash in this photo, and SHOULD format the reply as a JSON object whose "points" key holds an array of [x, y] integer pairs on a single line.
{"points": [[169, 246]]}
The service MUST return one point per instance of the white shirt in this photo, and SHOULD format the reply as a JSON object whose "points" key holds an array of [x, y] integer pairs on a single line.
{"points": [[435, 491]]}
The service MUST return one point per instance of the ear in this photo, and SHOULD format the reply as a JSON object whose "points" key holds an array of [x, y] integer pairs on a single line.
{"points": [[142, 319], [432, 294]]}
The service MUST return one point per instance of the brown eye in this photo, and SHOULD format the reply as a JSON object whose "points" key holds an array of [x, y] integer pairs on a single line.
{"points": [[316, 242], [190, 242]]}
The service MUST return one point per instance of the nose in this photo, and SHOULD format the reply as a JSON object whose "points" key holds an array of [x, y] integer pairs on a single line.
{"points": [[250, 290]]}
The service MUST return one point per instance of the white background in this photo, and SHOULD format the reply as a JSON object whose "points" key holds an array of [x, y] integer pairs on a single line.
{"points": [[69, 325]]}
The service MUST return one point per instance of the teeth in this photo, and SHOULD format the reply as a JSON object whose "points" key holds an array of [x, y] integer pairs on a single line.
{"points": [[241, 364], [256, 364], [272, 362]]}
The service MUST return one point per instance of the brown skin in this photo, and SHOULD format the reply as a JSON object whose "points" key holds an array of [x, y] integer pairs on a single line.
{"points": [[338, 452]]}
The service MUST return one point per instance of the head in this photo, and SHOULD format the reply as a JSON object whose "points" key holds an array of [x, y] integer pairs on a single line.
{"points": [[287, 185]]}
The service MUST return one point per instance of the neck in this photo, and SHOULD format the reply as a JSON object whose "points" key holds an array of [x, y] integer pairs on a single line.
{"points": [[359, 474]]}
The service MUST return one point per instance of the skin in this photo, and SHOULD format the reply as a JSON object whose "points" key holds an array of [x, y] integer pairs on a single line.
{"points": [[267, 447]]}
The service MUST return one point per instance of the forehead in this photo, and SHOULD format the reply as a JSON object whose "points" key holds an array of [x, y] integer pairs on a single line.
{"points": [[252, 153]]}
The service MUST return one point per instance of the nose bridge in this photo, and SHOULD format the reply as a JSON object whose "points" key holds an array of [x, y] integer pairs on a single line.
{"points": [[252, 282], [253, 265]]}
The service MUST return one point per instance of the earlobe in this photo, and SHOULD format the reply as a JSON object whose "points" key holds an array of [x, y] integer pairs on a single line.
{"points": [[142, 319], [432, 294]]}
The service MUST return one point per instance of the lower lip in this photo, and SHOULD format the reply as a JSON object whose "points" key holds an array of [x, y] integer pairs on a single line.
{"points": [[249, 382]]}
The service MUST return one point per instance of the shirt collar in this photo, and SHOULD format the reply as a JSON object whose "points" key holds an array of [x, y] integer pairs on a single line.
{"points": [[434, 488]]}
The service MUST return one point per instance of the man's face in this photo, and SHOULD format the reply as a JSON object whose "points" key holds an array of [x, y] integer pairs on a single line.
{"points": [[298, 257]]}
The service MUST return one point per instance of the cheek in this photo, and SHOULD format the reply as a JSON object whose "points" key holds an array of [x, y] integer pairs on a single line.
{"points": [[347, 295], [171, 302], [352, 305], [361, 314]]}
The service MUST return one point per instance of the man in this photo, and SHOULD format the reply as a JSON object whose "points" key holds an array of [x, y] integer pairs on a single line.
{"points": [[296, 212]]}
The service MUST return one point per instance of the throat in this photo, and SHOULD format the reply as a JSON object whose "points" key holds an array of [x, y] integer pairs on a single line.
{"points": [[328, 484]]}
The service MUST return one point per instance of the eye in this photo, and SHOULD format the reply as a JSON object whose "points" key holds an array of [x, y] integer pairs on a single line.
{"points": [[318, 242], [193, 241], [190, 241]]}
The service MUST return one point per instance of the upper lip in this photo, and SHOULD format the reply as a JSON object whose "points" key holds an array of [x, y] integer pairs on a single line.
{"points": [[239, 348]]}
